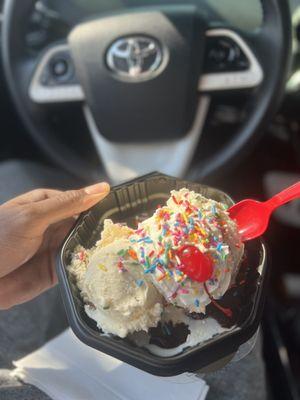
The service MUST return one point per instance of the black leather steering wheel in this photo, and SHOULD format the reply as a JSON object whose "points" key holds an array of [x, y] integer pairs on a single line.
{"points": [[160, 98]]}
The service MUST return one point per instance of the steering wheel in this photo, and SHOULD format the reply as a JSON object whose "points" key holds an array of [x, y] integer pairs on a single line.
{"points": [[145, 78]]}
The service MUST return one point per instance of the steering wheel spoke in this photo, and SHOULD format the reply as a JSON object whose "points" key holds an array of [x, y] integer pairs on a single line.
{"points": [[229, 63], [126, 161], [54, 79]]}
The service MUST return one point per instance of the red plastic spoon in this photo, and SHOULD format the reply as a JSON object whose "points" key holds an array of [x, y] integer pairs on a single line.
{"points": [[253, 216]]}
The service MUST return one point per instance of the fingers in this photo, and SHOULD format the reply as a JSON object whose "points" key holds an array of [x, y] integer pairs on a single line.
{"points": [[33, 196], [67, 204], [24, 229], [28, 281]]}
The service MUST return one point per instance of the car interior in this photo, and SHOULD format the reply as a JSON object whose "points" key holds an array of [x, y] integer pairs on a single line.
{"points": [[217, 104]]}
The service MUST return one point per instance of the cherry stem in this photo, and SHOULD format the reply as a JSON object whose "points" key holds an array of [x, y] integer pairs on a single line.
{"points": [[226, 311]]}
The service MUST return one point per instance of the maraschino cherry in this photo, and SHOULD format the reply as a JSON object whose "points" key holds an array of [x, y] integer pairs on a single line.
{"points": [[194, 263]]}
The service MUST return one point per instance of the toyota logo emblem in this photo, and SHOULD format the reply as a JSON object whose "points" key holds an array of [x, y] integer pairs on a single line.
{"points": [[135, 57]]}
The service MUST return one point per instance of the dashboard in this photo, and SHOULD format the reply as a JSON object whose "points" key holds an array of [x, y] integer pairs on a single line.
{"points": [[53, 19], [73, 10]]}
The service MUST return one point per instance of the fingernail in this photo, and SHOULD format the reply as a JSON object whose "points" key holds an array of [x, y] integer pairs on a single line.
{"points": [[98, 188]]}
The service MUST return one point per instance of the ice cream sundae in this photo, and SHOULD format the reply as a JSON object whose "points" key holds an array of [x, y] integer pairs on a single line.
{"points": [[168, 270]]}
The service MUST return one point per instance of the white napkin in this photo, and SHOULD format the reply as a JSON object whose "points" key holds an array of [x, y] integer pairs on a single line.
{"points": [[67, 369]]}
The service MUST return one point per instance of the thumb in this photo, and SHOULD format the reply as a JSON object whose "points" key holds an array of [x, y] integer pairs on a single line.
{"points": [[69, 203]]}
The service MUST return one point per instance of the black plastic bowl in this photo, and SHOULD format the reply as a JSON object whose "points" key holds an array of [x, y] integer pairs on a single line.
{"points": [[124, 203]]}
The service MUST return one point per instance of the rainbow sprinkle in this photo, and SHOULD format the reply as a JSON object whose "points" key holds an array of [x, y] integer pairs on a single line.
{"points": [[102, 267], [81, 255], [121, 267], [132, 254]]}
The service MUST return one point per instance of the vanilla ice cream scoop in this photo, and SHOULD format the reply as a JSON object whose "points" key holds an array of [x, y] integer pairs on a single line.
{"points": [[123, 299], [118, 295], [188, 219]]}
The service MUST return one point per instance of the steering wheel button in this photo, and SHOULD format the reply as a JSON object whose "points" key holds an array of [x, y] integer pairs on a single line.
{"points": [[224, 55], [59, 67]]}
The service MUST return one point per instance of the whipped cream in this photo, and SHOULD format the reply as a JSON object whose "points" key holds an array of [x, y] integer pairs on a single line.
{"points": [[188, 219]]}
